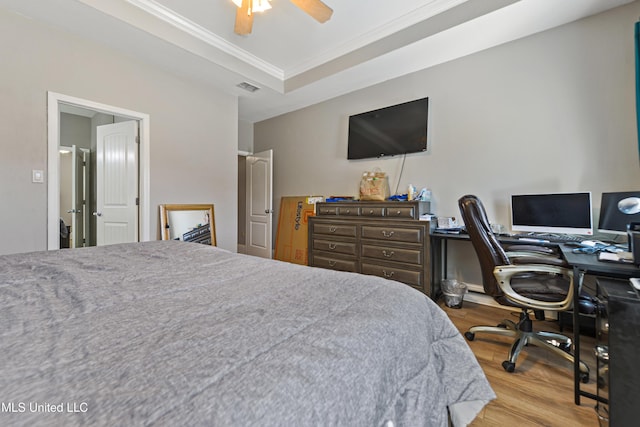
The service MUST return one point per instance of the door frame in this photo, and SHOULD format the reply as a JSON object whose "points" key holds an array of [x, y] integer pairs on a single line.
{"points": [[54, 100]]}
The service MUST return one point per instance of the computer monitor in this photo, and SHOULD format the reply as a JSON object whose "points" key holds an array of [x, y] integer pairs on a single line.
{"points": [[561, 213], [612, 219]]}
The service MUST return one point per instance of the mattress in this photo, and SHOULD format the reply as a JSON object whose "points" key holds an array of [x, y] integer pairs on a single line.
{"points": [[175, 333]]}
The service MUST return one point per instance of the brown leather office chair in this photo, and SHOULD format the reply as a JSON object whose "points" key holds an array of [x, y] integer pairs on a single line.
{"points": [[540, 284]]}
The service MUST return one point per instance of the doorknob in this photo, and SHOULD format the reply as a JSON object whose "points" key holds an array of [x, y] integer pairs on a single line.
{"points": [[268, 211], [97, 214], [74, 211]]}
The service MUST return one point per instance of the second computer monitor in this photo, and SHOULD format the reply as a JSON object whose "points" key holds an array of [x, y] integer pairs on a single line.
{"points": [[612, 219]]}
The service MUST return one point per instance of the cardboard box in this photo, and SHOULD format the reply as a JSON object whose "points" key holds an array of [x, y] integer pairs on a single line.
{"points": [[293, 223]]}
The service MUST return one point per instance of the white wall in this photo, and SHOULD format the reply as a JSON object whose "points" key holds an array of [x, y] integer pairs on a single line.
{"points": [[549, 113], [245, 136], [194, 128]]}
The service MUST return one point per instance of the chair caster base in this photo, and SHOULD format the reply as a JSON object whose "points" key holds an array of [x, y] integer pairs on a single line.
{"points": [[470, 336], [509, 366], [584, 377]]}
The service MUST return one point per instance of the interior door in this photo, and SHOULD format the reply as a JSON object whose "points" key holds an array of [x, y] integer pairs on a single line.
{"points": [[117, 183], [77, 197], [259, 204]]}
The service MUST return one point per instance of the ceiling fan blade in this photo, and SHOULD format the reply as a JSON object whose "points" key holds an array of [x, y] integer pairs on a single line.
{"points": [[244, 20], [318, 10]]}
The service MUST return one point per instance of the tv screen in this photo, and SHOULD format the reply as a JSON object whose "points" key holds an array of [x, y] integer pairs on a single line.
{"points": [[399, 129], [563, 213], [612, 219]]}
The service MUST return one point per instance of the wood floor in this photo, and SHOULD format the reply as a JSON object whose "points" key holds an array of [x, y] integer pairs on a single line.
{"points": [[540, 391]]}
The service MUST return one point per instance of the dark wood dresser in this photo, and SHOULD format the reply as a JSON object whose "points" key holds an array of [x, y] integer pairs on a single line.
{"points": [[384, 239]]}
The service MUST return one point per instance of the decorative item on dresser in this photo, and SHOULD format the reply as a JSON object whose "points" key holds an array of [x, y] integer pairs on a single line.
{"points": [[384, 239]]}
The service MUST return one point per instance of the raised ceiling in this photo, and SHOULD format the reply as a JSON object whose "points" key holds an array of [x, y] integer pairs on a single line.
{"points": [[294, 60]]}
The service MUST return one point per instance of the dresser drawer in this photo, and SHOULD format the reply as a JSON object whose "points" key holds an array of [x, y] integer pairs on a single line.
{"points": [[372, 211], [410, 235], [348, 211], [347, 230], [334, 263], [413, 256], [400, 212], [348, 248], [327, 210], [413, 278]]}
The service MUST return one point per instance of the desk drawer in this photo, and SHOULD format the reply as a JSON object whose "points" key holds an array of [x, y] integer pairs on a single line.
{"points": [[348, 248], [410, 277], [413, 256], [410, 235], [335, 229], [334, 263]]}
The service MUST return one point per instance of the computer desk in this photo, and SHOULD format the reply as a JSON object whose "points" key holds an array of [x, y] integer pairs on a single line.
{"points": [[588, 264], [581, 264]]}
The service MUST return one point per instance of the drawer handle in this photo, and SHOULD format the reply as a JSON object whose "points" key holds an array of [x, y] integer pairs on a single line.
{"points": [[387, 234], [332, 263], [332, 229], [332, 246], [370, 211], [348, 211], [387, 275], [398, 212], [388, 254]]}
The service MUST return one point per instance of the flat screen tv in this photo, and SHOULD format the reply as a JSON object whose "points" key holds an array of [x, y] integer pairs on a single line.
{"points": [[613, 218], [561, 213], [389, 131]]}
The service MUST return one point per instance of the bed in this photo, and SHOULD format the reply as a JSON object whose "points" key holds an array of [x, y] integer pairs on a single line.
{"points": [[175, 333]]}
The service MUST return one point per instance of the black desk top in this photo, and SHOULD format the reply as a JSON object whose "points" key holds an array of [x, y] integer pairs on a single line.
{"points": [[586, 262], [589, 264]]}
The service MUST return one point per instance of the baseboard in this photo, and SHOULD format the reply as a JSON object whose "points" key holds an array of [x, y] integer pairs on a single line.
{"points": [[242, 249]]}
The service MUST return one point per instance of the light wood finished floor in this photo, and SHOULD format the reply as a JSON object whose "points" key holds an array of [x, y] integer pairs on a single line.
{"points": [[540, 391]]}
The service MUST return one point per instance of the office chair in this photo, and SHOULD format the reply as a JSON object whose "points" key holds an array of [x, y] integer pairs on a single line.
{"points": [[541, 283]]}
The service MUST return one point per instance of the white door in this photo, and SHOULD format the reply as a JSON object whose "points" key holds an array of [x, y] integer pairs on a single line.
{"points": [[117, 183], [77, 197], [259, 204]]}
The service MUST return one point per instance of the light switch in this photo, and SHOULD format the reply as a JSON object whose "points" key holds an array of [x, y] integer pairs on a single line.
{"points": [[37, 176]]}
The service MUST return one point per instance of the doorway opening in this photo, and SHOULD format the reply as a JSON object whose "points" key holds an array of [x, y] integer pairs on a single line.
{"points": [[59, 104], [255, 203]]}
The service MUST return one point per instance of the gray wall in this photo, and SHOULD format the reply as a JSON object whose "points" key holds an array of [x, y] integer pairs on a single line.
{"points": [[194, 128], [552, 112]]}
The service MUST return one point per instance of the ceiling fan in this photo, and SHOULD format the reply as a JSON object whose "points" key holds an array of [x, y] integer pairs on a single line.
{"points": [[246, 8]]}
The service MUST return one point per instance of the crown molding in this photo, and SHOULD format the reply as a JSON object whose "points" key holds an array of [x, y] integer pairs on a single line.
{"points": [[197, 31], [428, 10]]}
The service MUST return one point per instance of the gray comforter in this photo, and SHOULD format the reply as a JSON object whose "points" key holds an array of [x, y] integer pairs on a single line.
{"points": [[173, 333]]}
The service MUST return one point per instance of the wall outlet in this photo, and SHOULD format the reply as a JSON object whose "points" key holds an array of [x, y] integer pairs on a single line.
{"points": [[37, 176]]}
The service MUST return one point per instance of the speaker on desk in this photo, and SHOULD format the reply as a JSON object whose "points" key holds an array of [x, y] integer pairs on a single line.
{"points": [[633, 235]]}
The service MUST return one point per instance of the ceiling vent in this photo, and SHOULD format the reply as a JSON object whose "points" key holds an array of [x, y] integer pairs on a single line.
{"points": [[248, 87]]}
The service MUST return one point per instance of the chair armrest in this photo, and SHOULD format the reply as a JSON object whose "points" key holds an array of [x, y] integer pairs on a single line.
{"points": [[525, 257], [531, 248], [504, 273]]}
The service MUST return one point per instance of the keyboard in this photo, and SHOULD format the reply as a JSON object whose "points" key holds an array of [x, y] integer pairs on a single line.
{"points": [[551, 237]]}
